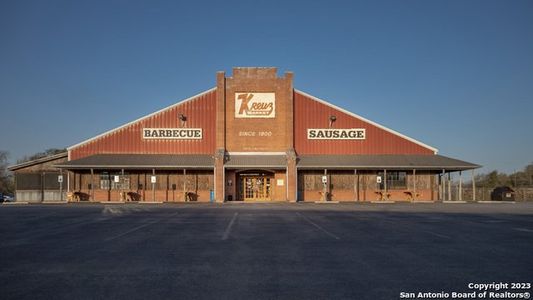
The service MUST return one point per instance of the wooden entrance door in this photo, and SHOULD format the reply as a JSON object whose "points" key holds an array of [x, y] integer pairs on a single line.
{"points": [[255, 187]]}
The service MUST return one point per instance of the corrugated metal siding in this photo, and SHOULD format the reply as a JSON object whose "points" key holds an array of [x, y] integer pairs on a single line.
{"points": [[309, 113], [200, 113]]}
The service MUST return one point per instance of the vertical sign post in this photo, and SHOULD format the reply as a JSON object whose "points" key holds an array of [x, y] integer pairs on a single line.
{"points": [[60, 180]]}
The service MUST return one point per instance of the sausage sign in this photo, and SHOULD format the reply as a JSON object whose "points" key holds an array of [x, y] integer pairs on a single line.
{"points": [[336, 134]]}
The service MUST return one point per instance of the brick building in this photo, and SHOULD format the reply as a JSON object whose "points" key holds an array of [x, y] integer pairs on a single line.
{"points": [[254, 137]]}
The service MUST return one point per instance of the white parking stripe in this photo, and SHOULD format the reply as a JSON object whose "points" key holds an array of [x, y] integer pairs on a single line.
{"points": [[137, 228], [131, 230], [436, 234], [230, 225], [318, 226], [523, 229]]}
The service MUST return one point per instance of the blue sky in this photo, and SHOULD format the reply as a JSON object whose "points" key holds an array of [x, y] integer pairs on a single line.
{"points": [[457, 75]]}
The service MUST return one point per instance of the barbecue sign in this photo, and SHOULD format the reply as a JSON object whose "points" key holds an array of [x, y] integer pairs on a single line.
{"points": [[255, 105], [172, 133]]}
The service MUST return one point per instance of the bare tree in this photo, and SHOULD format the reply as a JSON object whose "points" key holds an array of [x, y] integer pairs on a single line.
{"points": [[6, 179], [45, 153]]}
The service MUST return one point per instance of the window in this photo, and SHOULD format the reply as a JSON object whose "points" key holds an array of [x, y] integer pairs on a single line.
{"points": [[107, 179], [104, 181], [396, 180]]}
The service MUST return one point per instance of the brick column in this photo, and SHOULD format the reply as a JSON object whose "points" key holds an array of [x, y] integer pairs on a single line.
{"points": [[291, 176], [220, 137], [221, 111], [219, 176], [289, 142]]}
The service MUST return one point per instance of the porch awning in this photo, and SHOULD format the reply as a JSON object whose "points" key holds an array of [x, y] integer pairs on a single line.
{"points": [[379, 162], [141, 161]]}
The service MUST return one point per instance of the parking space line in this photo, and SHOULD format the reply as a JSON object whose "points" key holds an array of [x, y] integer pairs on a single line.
{"points": [[230, 225], [130, 231], [437, 234], [137, 228], [523, 229], [318, 226]]}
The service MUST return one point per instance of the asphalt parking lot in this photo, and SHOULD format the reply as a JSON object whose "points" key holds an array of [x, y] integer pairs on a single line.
{"points": [[260, 251]]}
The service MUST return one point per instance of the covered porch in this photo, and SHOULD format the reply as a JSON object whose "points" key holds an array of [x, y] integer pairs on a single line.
{"points": [[140, 178], [380, 178]]}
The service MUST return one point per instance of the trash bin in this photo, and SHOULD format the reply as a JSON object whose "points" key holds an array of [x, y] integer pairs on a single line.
{"points": [[502, 193]]}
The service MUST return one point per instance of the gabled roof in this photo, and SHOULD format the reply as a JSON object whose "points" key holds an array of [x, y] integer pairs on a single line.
{"points": [[37, 161], [435, 150], [140, 119]]}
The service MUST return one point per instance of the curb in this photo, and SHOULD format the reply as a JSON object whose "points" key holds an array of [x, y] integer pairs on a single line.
{"points": [[499, 202]]}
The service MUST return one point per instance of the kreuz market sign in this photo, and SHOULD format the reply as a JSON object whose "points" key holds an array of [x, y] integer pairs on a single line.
{"points": [[172, 133], [255, 105], [336, 134]]}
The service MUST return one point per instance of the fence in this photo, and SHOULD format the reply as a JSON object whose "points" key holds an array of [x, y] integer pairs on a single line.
{"points": [[38, 187], [483, 193]]}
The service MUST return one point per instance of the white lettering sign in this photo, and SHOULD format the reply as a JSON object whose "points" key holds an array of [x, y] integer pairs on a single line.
{"points": [[172, 133], [255, 133], [336, 134], [255, 105]]}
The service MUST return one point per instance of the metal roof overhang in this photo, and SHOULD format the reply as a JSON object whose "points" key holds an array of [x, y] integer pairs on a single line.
{"points": [[141, 161], [37, 161], [380, 162], [256, 162]]}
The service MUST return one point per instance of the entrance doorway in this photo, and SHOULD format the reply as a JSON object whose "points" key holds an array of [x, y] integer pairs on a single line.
{"points": [[255, 186]]}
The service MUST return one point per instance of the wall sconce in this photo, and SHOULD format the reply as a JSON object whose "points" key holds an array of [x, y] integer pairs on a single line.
{"points": [[183, 119], [332, 119], [230, 182]]}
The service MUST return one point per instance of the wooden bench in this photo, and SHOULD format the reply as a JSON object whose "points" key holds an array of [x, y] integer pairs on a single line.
{"points": [[411, 196], [382, 195]]}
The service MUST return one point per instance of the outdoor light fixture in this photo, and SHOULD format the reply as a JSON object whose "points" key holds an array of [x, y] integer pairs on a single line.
{"points": [[332, 119], [182, 118]]}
